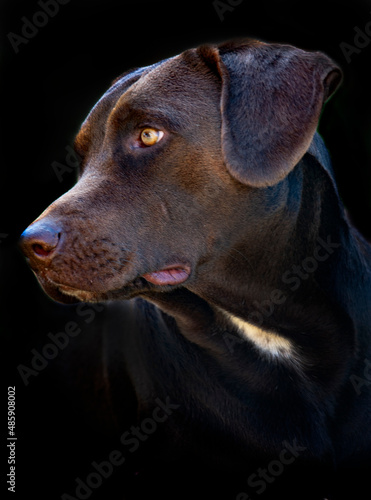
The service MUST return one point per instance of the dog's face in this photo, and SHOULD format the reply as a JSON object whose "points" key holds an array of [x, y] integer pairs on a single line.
{"points": [[170, 157], [151, 172]]}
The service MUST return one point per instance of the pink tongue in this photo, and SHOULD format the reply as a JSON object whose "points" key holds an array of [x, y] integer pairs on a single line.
{"points": [[172, 276]]}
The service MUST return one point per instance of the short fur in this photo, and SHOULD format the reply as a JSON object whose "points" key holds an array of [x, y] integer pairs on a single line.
{"points": [[263, 343]]}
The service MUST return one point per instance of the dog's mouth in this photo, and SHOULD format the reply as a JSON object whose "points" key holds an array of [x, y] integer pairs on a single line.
{"points": [[61, 293], [67, 294], [80, 295], [167, 277]]}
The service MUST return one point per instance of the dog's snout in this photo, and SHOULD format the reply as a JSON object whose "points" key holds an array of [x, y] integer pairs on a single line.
{"points": [[40, 240]]}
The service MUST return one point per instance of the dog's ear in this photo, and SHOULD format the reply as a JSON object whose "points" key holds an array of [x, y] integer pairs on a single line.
{"points": [[271, 99]]}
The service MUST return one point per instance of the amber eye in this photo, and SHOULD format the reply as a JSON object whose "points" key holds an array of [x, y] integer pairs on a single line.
{"points": [[149, 136]]}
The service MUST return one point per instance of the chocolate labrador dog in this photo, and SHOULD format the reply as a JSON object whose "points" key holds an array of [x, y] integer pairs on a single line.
{"points": [[206, 211]]}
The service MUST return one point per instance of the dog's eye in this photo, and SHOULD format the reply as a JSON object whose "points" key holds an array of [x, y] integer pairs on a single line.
{"points": [[150, 136]]}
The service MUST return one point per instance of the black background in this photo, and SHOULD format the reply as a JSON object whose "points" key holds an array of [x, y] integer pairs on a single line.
{"points": [[47, 89]]}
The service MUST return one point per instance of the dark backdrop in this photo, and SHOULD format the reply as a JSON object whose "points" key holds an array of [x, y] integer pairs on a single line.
{"points": [[48, 85]]}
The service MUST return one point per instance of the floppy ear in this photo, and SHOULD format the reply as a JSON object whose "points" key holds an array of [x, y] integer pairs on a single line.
{"points": [[271, 100]]}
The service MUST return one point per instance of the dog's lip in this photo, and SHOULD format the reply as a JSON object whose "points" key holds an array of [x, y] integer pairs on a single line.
{"points": [[53, 290], [174, 274], [68, 289]]}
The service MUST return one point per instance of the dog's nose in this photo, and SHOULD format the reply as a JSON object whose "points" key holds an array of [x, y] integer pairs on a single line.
{"points": [[40, 240]]}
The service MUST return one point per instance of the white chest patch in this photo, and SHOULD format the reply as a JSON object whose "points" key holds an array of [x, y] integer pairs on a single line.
{"points": [[268, 343]]}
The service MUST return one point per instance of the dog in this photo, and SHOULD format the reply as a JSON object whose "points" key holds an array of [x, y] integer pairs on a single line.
{"points": [[206, 212]]}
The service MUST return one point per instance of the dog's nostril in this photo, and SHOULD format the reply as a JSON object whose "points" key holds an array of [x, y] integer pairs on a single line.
{"points": [[40, 250], [40, 239]]}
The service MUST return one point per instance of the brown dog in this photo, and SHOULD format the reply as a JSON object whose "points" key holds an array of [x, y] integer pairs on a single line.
{"points": [[205, 190]]}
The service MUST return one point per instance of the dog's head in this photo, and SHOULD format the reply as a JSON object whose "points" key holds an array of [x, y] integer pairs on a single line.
{"points": [[169, 156]]}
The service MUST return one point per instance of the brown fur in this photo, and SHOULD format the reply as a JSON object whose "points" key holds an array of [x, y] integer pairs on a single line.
{"points": [[237, 193]]}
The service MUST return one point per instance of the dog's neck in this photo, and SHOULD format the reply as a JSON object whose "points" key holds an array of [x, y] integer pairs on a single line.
{"points": [[275, 288]]}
